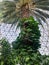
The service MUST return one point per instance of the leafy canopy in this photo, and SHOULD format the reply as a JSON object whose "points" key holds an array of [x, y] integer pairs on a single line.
{"points": [[27, 44]]}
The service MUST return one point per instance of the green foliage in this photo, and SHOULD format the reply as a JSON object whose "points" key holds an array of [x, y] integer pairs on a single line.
{"points": [[25, 47], [45, 60], [30, 34], [6, 55], [27, 44]]}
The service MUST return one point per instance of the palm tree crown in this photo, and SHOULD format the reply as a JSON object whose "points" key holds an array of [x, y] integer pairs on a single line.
{"points": [[14, 10]]}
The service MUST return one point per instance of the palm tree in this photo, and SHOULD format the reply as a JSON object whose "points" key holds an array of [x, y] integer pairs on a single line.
{"points": [[13, 11]]}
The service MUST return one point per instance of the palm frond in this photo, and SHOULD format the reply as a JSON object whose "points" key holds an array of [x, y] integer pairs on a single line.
{"points": [[43, 7], [38, 18], [46, 15], [38, 6], [42, 2], [11, 10]]}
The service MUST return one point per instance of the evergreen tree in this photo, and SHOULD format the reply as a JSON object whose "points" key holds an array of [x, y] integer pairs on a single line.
{"points": [[6, 55], [27, 43]]}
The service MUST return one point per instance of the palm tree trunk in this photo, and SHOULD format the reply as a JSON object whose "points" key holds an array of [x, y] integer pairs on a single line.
{"points": [[25, 11]]}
